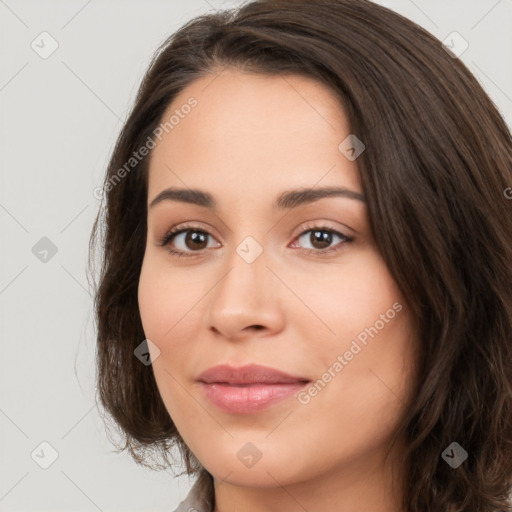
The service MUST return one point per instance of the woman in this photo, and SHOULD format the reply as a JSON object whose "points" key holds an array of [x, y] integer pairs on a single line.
{"points": [[306, 281]]}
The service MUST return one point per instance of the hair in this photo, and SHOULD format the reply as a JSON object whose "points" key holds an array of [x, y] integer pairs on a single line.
{"points": [[436, 168]]}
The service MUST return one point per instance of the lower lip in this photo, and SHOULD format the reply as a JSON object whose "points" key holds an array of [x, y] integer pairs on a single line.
{"points": [[249, 398]]}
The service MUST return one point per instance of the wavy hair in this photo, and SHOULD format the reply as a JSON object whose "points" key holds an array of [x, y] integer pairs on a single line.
{"points": [[436, 172]]}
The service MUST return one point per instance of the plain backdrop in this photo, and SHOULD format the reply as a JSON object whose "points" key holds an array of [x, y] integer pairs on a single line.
{"points": [[60, 116]]}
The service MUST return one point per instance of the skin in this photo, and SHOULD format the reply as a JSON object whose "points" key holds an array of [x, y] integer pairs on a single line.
{"points": [[249, 138]]}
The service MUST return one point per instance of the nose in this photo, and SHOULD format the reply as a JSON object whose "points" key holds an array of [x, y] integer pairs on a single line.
{"points": [[246, 301]]}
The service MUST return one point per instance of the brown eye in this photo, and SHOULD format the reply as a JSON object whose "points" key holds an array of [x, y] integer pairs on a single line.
{"points": [[193, 241], [186, 241], [321, 238], [196, 240]]}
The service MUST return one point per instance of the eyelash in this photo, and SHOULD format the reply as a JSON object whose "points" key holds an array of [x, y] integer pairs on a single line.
{"points": [[170, 235]]}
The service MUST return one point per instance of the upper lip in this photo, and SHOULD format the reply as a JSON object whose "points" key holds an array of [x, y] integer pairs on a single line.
{"points": [[248, 374]]}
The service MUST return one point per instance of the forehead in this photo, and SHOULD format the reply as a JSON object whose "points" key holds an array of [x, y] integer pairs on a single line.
{"points": [[250, 134]]}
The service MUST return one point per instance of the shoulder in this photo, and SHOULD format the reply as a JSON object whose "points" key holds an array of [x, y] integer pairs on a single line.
{"points": [[193, 502]]}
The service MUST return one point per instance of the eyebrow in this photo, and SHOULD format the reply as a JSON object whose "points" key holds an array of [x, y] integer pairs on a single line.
{"points": [[286, 200]]}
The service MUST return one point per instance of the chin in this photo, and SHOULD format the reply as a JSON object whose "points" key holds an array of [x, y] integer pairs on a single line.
{"points": [[245, 466]]}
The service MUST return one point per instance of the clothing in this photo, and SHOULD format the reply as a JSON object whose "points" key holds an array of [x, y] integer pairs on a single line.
{"points": [[193, 503]]}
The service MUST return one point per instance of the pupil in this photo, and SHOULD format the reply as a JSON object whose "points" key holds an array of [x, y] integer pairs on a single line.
{"points": [[195, 237], [322, 237]]}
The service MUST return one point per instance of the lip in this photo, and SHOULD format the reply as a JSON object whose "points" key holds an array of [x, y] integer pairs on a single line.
{"points": [[247, 374], [248, 389]]}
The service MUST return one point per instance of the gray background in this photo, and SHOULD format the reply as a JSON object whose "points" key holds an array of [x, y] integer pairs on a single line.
{"points": [[60, 119]]}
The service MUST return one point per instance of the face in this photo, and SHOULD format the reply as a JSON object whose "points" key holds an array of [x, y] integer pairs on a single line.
{"points": [[291, 282]]}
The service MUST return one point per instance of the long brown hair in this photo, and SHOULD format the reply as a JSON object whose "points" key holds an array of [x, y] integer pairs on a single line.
{"points": [[436, 168]]}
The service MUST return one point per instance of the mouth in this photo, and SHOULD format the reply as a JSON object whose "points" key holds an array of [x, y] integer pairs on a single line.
{"points": [[248, 389], [248, 398]]}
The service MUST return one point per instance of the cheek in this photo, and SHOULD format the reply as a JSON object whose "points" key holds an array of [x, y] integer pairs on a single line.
{"points": [[347, 298], [165, 300], [172, 317], [365, 321], [167, 319]]}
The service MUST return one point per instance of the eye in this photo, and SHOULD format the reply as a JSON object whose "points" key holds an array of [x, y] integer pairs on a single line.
{"points": [[320, 239], [186, 237], [193, 239]]}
